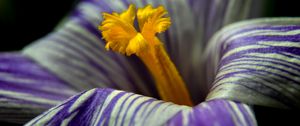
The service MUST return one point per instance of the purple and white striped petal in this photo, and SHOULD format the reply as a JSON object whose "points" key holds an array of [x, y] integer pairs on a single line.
{"points": [[215, 113], [107, 107], [27, 89], [257, 62]]}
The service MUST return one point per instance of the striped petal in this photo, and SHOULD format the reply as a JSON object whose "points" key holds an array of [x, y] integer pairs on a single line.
{"points": [[27, 89], [257, 62], [215, 113], [107, 107]]}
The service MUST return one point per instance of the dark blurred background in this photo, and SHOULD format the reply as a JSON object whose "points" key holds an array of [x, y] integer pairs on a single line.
{"points": [[23, 21]]}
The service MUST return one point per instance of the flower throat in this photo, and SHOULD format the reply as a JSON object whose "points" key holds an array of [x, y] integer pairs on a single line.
{"points": [[121, 36]]}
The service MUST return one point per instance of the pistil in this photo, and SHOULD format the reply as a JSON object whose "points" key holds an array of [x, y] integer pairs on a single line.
{"points": [[121, 36]]}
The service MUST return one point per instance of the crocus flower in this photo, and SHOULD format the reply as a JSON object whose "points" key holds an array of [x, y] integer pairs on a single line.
{"points": [[254, 62]]}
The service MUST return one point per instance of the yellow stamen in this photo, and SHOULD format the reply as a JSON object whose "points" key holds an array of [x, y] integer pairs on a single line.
{"points": [[121, 36]]}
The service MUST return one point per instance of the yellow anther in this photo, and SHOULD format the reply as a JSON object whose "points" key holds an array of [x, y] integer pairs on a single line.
{"points": [[118, 30], [151, 20], [121, 36]]}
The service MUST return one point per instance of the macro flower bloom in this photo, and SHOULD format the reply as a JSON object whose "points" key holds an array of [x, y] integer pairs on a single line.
{"points": [[69, 78]]}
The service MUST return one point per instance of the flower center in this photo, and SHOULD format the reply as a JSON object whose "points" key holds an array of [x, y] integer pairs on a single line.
{"points": [[121, 36]]}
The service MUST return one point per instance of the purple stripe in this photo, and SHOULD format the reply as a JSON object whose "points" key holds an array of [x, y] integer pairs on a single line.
{"points": [[34, 91], [102, 97], [284, 28], [131, 123], [257, 27], [63, 113], [56, 107], [254, 40], [258, 62], [245, 112], [240, 54], [126, 111], [107, 111], [30, 73], [21, 66], [122, 105], [261, 28], [86, 110], [152, 109], [233, 113], [37, 84]]}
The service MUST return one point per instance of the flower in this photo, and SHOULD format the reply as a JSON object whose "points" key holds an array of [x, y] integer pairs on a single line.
{"points": [[253, 62]]}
